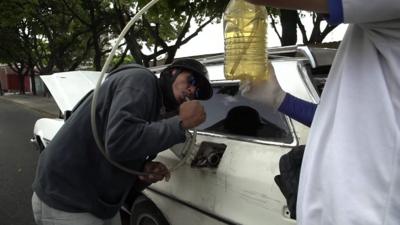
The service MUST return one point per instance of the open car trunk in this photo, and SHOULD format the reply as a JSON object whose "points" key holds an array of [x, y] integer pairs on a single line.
{"points": [[68, 88]]}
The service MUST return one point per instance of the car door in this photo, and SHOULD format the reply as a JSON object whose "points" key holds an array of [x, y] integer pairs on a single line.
{"points": [[230, 175]]}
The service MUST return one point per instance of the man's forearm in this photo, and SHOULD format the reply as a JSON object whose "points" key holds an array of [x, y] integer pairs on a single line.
{"points": [[320, 6]]}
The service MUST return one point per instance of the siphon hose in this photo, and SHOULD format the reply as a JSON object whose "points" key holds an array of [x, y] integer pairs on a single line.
{"points": [[96, 137]]}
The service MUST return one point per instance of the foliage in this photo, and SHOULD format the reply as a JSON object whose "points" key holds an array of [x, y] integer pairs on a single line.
{"points": [[15, 30], [290, 20], [60, 35], [166, 25]]}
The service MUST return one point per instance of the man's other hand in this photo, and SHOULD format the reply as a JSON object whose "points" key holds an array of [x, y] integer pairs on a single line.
{"points": [[157, 170]]}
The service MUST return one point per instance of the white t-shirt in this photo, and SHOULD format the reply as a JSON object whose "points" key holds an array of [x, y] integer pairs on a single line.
{"points": [[350, 173]]}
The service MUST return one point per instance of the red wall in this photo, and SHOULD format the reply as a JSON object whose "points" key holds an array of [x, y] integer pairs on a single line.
{"points": [[10, 80], [13, 83]]}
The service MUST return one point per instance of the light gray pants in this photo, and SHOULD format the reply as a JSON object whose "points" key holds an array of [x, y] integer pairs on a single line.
{"points": [[45, 215]]}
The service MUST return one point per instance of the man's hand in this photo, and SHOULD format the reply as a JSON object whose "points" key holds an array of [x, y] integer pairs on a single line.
{"points": [[265, 92], [158, 172], [191, 114]]}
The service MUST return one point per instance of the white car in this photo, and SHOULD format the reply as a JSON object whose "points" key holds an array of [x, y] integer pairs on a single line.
{"points": [[226, 170]]}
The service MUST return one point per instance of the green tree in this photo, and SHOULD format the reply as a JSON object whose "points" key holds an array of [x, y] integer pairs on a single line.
{"points": [[317, 35], [95, 18], [39, 36], [15, 31], [290, 20], [165, 28], [64, 41], [53, 35], [51, 39]]}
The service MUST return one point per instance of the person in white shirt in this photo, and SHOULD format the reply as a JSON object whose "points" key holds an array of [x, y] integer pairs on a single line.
{"points": [[350, 173]]}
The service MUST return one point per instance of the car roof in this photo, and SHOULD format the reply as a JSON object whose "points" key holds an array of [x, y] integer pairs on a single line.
{"points": [[68, 88]]}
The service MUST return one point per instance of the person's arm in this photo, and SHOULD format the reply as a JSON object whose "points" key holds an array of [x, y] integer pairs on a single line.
{"points": [[298, 109], [157, 172], [320, 6], [271, 94], [129, 134]]}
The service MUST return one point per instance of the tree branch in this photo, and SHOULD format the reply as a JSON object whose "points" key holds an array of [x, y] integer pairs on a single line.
{"points": [[74, 14], [273, 23], [154, 34], [302, 30]]}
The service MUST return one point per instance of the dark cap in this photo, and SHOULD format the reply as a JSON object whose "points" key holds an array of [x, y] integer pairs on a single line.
{"points": [[200, 73]]}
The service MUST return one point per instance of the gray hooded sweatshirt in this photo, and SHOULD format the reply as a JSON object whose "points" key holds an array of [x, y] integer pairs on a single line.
{"points": [[72, 173]]}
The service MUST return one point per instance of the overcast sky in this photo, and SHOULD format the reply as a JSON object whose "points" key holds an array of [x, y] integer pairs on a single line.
{"points": [[211, 39]]}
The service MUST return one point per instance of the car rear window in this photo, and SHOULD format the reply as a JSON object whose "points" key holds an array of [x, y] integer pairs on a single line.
{"points": [[232, 115]]}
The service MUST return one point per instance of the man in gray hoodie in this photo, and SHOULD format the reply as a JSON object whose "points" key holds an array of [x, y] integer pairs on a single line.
{"points": [[76, 184]]}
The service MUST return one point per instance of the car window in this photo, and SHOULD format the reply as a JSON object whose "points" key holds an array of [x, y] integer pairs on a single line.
{"points": [[230, 114]]}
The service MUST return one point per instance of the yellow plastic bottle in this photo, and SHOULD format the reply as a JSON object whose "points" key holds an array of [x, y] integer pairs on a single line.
{"points": [[245, 30]]}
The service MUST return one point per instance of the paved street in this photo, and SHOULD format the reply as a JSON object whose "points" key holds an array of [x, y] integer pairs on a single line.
{"points": [[18, 158], [17, 163]]}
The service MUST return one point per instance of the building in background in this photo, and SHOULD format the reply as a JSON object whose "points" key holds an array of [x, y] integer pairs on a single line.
{"points": [[10, 83]]}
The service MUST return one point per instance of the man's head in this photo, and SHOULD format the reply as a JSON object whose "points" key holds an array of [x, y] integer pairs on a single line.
{"points": [[187, 78]]}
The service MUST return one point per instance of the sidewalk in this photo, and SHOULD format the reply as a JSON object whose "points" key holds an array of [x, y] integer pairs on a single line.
{"points": [[44, 105]]}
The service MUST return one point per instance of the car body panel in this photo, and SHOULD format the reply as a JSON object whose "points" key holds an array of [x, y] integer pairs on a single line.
{"points": [[180, 214], [44, 130], [241, 183], [289, 75]]}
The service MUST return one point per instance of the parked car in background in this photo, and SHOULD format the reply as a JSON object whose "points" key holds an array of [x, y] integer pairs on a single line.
{"points": [[227, 166]]}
